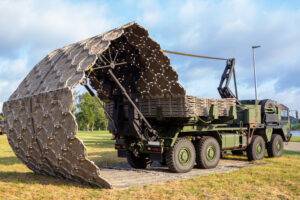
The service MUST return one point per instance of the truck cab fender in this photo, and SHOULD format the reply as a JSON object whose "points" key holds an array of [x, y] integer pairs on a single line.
{"points": [[282, 133]]}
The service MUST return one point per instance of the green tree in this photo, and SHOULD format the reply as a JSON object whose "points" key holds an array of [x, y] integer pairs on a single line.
{"points": [[296, 126], [90, 114]]}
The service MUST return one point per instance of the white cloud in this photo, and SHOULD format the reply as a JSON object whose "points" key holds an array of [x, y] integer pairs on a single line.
{"points": [[49, 24], [12, 72], [6, 88], [289, 97], [13, 67], [151, 12], [204, 82], [229, 28], [30, 29]]}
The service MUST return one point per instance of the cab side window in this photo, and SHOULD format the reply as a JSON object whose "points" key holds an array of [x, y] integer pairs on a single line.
{"points": [[284, 115]]}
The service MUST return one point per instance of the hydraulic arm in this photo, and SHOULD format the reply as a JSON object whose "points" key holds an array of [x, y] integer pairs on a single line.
{"points": [[229, 71]]}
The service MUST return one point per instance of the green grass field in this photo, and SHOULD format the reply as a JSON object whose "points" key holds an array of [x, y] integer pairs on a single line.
{"points": [[295, 139], [279, 178]]}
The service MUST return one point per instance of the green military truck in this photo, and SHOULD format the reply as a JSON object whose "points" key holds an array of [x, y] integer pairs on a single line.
{"points": [[150, 115], [187, 140]]}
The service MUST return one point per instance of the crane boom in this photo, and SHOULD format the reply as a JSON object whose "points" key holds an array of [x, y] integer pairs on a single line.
{"points": [[229, 71]]}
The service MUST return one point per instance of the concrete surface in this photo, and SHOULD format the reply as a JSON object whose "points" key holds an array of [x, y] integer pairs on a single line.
{"points": [[292, 146], [122, 176]]}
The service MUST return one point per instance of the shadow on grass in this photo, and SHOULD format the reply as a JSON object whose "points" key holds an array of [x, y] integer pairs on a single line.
{"points": [[9, 160], [102, 160], [234, 157], [106, 159], [32, 178]]}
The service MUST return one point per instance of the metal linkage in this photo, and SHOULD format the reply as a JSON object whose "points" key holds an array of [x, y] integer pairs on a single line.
{"points": [[111, 65], [109, 69], [229, 70], [124, 92], [223, 88], [194, 55]]}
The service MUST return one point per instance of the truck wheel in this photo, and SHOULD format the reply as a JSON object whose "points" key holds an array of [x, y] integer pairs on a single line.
{"points": [[256, 149], [275, 146], [181, 157], [207, 153], [237, 152], [141, 161]]}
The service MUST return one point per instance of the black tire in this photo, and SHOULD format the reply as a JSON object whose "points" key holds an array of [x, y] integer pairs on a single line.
{"points": [[181, 157], [208, 153], [256, 149], [275, 146], [237, 152], [140, 161]]}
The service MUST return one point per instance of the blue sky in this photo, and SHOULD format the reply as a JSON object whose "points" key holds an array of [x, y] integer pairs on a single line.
{"points": [[30, 29]]}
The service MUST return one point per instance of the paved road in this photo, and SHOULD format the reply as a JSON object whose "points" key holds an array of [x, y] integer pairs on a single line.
{"points": [[292, 146]]}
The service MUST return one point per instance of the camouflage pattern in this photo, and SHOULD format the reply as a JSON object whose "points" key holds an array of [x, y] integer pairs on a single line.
{"points": [[41, 127]]}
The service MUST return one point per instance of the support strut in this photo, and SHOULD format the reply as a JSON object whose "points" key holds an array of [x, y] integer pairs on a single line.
{"points": [[124, 92]]}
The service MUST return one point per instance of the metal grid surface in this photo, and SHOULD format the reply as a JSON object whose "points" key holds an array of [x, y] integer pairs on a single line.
{"points": [[40, 125]]}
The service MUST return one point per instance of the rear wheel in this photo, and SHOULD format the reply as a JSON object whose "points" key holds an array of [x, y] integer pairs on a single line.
{"points": [[140, 161], [256, 149], [181, 157], [275, 146], [207, 153]]}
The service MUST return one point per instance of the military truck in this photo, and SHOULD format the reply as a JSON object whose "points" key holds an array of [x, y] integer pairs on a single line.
{"points": [[151, 117], [199, 139]]}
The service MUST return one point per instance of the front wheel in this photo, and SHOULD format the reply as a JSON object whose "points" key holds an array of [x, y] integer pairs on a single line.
{"points": [[208, 152], [181, 157], [275, 146], [256, 149]]}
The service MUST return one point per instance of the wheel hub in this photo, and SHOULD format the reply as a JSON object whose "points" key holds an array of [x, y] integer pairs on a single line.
{"points": [[184, 156], [278, 146], [210, 153], [258, 148]]}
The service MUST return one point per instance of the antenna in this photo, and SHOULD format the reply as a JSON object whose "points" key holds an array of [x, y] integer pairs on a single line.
{"points": [[254, 71]]}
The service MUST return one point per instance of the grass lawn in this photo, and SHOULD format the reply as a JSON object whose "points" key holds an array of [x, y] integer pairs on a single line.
{"points": [[279, 178], [295, 139]]}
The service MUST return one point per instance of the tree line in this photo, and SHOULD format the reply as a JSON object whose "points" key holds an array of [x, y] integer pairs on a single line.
{"points": [[89, 113]]}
